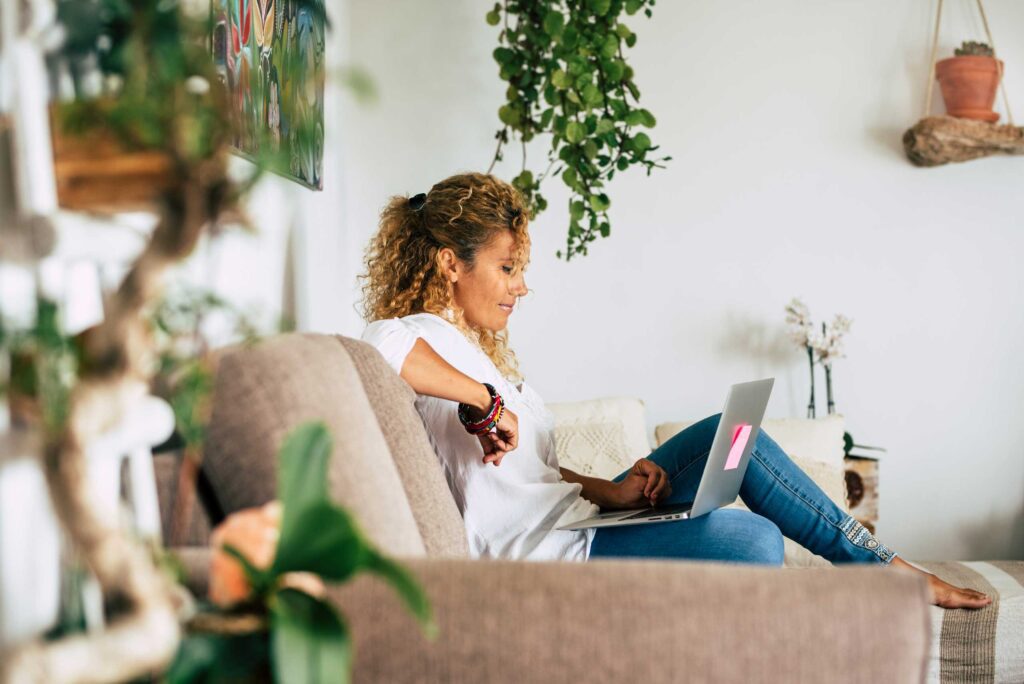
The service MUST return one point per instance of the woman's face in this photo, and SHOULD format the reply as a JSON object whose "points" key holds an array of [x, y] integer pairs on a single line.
{"points": [[488, 291]]}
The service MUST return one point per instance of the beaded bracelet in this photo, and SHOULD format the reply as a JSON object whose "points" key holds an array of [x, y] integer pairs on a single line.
{"points": [[486, 424]]}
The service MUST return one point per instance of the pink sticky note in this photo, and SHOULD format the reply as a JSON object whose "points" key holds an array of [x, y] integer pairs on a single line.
{"points": [[739, 442]]}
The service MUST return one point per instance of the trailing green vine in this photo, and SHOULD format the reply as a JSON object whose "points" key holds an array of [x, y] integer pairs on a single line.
{"points": [[568, 77]]}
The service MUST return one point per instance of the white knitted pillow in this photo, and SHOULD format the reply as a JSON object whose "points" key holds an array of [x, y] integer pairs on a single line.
{"points": [[600, 437]]}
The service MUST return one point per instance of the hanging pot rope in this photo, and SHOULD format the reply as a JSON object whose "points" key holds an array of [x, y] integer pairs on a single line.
{"points": [[999, 65], [929, 86]]}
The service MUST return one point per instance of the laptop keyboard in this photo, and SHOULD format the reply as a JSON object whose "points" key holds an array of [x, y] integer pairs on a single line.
{"points": [[660, 511]]}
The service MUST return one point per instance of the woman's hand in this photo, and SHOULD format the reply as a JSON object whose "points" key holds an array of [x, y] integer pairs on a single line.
{"points": [[502, 439], [646, 484]]}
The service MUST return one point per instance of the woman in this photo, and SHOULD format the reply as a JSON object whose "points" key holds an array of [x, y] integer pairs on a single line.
{"points": [[444, 273]]}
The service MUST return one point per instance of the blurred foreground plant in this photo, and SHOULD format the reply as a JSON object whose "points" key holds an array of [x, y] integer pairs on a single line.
{"points": [[268, 571]]}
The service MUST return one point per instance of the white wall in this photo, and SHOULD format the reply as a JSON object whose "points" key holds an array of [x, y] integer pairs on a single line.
{"points": [[784, 120]]}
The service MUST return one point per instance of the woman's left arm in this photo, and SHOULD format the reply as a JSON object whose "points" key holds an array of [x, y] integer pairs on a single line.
{"points": [[601, 492], [644, 485]]}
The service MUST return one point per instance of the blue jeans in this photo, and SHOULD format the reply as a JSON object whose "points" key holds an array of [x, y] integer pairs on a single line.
{"points": [[782, 500]]}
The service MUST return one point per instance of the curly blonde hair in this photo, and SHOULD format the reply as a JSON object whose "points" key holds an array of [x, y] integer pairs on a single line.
{"points": [[403, 274]]}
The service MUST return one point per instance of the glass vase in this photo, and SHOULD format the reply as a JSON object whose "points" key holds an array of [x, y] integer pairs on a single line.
{"points": [[811, 404], [828, 389]]}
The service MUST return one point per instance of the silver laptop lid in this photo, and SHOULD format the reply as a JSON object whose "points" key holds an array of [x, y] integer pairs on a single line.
{"points": [[734, 440]]}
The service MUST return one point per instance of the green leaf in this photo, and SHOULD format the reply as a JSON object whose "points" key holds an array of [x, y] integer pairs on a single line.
{"points": [[410, 592], [258, 579], [554, 22], [220, 658], [600, 7], [560, 79], [570, 178], [576, 210], [196, 657], [524, 180], [509, 115], [610, 47], [600, 202], [633, 6], [604, 125], [574, 132], [614, 70], [545, 118], [640, 117], [592, 95], [640, 143], [302, 473], [309, 642], [323, 539], [623, 31], [503, 55], [493, 18], [605, 229], [590, 149], [570, 36]]}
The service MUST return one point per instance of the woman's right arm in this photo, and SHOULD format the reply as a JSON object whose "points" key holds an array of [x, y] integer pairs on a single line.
{"points": [[428, 373]]}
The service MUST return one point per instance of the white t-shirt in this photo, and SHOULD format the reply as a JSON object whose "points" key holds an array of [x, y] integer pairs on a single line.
{"points": [[510, 511]]}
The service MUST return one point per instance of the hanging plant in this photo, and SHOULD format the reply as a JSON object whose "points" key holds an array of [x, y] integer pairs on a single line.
{"points": [[568, 77], [968, 131]]}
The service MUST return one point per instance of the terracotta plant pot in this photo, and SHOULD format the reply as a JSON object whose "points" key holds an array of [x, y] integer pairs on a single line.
{"points": [[969, 86]]}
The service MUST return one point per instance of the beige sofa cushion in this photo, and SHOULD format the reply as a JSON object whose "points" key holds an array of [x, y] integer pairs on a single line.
{"points": [[263, 391], [600, 437], [437, 516], [816, 447]]}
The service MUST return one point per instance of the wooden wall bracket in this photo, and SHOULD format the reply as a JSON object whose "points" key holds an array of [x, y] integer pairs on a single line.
{"points": [[937, 140]]}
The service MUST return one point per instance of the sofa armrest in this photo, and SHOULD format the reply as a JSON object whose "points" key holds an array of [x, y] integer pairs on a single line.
{"points": [[639, 620]]}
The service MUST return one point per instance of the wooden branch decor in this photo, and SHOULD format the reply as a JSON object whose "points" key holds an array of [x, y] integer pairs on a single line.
{"points": [[938, 140], [142, 640], [191, 129]]}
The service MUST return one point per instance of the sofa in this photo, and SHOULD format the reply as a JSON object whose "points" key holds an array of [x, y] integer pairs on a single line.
{"points": [[602, 621], [601, 437]]}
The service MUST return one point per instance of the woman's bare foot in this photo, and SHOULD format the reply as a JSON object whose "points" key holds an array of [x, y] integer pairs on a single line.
{"points": [[945, 594]]}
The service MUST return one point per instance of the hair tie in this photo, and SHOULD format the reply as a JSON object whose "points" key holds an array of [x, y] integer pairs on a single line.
{"points": [[416, 202]]}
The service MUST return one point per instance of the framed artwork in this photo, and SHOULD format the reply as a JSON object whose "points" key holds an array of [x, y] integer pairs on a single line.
{"points": [[270, 56]]}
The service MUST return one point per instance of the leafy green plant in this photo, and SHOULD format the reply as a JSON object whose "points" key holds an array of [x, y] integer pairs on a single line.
{"points": [[42, 363], [308, 638], [160, 89], [974, 48], [157, 78], [568, 77]]}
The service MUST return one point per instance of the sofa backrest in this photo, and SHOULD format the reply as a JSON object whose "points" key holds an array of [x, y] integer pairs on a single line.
{"points": [[263, 391], [437, 516]]}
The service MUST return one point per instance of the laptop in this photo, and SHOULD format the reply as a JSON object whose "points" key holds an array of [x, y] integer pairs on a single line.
{"points": [[723, 472]]}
